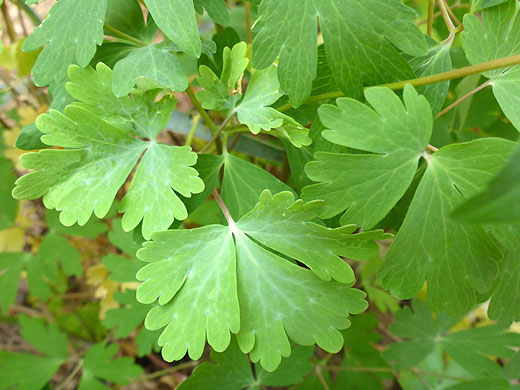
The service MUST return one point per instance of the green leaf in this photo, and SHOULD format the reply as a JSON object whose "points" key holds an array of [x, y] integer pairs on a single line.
{"points": [[127, 17], [502, 306], [49, 341], [437, 60], [477, 5], [92, 229], [56, 249], [253, 111], [249, 290], [128, 317], [216, 92], [71, 32], [123, 240], [176, 19], [361, 352], [469, 348], [243, 183], [284, 225], [233, 371], [495, 35], [99, 365], [29, 138], [12, 265], [458, 261], [122, 269], [216, 10], [154, 62], [8, 205], [499, 202], [359, 39], [101, 150], [366, 185]]}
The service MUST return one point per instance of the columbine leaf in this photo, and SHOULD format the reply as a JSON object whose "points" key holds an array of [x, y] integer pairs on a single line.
{"points": [[369, 185], [92, 229], [47, 340], [499, 202], [128, 317], [243, 183], [469, 348], [99, 365], [71, 32], [283, 225], [216, 10], [233, 371], [127, 16], [477, 5], [219, 93], [101, 149], [12, 265], [503, 305], [458, 261], [54, 250], [358, 37], [253, 111], [249, 290], [176, 19], [493, 36]]}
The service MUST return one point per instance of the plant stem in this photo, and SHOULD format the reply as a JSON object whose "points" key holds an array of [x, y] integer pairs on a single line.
{"points": [[193, 129], [437, 14], [436, 78], [71, 376], [431, 9], [124, 36], [217, 133], [460, 100], [28, 10], [224, 208], [432, 148], [248, 22], [166, 371], [446, 15], [8, 22]]}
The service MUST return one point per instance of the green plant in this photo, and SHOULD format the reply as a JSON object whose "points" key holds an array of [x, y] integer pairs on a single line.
{"points": [[248, 176]]}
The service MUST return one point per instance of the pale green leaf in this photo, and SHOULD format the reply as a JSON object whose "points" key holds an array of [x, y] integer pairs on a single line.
{"points": [[477, 5], [255, 113], [458, 261], [176, 19], [220, 93], [56, 250], [101, 150], [249, 290], [495, 35], [367, 186], [122, 269], [359, 39], [71, 32]]}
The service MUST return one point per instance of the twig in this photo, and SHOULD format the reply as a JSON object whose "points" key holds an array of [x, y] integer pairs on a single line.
{"points": [[8, 22], [461, 99]]}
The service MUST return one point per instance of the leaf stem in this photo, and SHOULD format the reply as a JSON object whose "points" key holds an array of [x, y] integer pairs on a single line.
{"points": [[124, 36], [436, 78], [71, 376], [446, 15], [28, 10], [460, 100], [431, 9], [8, 23], [248, 22], [224, 208], [193, 129], [218, 132], [167, 371]]}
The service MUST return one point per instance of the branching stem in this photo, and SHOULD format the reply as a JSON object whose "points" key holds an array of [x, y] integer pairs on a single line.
{"points": [[446, 15], [436, 78], [224, 208]]}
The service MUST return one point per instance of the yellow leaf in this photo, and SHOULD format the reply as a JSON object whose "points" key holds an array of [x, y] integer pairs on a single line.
{"points": [[12, 240]]}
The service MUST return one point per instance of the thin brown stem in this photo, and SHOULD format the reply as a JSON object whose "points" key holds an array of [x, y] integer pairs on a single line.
{"points": [[218, 132], [71, 376], [224, 209], [461, 99], [432, 148]]}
